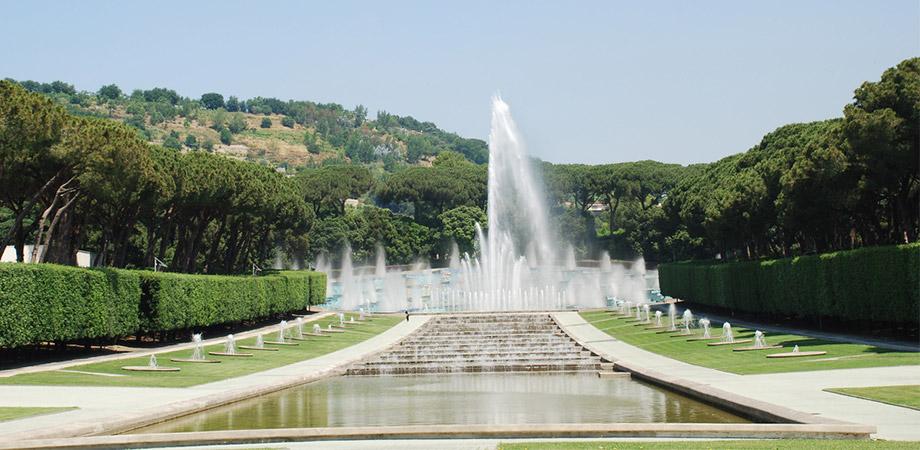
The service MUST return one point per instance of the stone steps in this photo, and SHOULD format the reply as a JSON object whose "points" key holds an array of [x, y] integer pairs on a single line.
{"points": [[483, 343]]}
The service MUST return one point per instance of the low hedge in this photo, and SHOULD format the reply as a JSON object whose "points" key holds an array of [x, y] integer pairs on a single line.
{"points": [[873, 284], [46, 302]]}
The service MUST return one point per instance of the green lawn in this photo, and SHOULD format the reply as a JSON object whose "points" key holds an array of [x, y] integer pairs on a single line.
{"points": [[907, 396], [691, 445], [193, 373], [19, 412], [839, 355]]}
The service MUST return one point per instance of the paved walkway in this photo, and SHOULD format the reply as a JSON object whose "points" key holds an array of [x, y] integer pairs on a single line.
{"points": [[801, 391], [99, 406]]}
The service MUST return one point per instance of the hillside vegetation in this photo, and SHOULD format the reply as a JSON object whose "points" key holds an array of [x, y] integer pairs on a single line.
{"points": [[268, 131]]}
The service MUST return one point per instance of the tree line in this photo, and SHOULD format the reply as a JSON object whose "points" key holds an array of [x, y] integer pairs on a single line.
{"points": [[70, 181]]}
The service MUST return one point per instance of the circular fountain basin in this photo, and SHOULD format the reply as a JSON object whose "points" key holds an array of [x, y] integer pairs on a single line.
{"points": [[151, 369], [191, 360], [796, 354], [738, 341], [280, 343], [750, 349], [229, 354], [263, 349]]}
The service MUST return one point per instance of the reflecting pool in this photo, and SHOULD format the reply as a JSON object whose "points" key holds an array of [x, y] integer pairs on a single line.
{"points": [[484, 399]]}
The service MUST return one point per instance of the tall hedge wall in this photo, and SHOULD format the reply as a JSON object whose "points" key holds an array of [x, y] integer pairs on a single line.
{"points": [[45, 302], [878, 284]]}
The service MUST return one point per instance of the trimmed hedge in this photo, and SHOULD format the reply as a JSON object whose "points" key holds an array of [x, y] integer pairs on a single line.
{"points": [[46, 302], [875, 284]]}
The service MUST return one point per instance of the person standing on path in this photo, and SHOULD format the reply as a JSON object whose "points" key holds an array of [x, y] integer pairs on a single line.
{"points": [[407, 315]]}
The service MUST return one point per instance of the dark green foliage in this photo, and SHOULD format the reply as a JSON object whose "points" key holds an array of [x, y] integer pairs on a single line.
{"points": [[875, 284], [180, 301], [212, 100], [226, 137], [191, 142], [46, 302], [287, 122], [233, 104], [266, 122], [172, 142], [110, 92], [57, 303]]}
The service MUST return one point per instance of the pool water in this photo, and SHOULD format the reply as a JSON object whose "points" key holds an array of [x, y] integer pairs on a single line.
{"points": [[482, 399]]}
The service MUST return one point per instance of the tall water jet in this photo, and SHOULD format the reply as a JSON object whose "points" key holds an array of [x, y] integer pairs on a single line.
{"points": [[198, 351], [380, 267], [672, 317], [350, 294]]}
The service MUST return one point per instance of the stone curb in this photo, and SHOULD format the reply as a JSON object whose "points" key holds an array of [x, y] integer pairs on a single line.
{"points": [[656, 430]]}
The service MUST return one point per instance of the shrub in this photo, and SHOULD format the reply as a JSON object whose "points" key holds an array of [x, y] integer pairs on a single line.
{"points": [[225, 137], [46, 302], [266, 122], [874, 284], [172, 301], [286, 121]]}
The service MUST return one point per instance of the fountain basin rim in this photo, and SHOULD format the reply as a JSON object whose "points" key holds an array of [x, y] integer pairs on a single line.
{"points": [[150, 369], [198, 361], [543, 430], [229, 354]]}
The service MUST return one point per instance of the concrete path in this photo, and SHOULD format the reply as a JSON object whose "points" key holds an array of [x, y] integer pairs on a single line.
{"points": [[58, 365], [800, 391], [101, 407]]}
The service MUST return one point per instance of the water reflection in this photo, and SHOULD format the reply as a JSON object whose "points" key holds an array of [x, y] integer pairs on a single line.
{"points": [[454, 399]]}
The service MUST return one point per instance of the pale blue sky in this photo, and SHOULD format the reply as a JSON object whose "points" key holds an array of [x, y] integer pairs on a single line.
{"points": [[606, 81]]}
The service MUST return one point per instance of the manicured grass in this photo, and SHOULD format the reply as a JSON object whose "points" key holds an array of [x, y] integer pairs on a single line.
{"points": [[691, 445], [194, 374], [19, 412], [839, 355], [907, 396]]}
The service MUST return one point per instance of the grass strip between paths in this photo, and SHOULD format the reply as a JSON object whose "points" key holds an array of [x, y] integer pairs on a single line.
{"points": [[907, 396], [839, 355], [193, 374]]}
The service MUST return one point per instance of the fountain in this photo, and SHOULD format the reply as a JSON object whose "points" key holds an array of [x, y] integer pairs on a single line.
{"points": [[646, 309], [704, 324], [197, 352], [317, 329], [520, 264], [672, 317], [658, 325], [687, 320], [760, 343], [727, 335], [230, 348], [259, 345], [297, 335], [152, 366]]}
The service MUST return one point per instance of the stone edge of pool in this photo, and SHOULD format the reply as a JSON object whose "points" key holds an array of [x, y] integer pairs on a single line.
{"points": [[657, 430]]}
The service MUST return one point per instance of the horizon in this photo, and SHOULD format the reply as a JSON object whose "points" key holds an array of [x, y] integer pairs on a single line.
{"points": [[597, 83]]}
